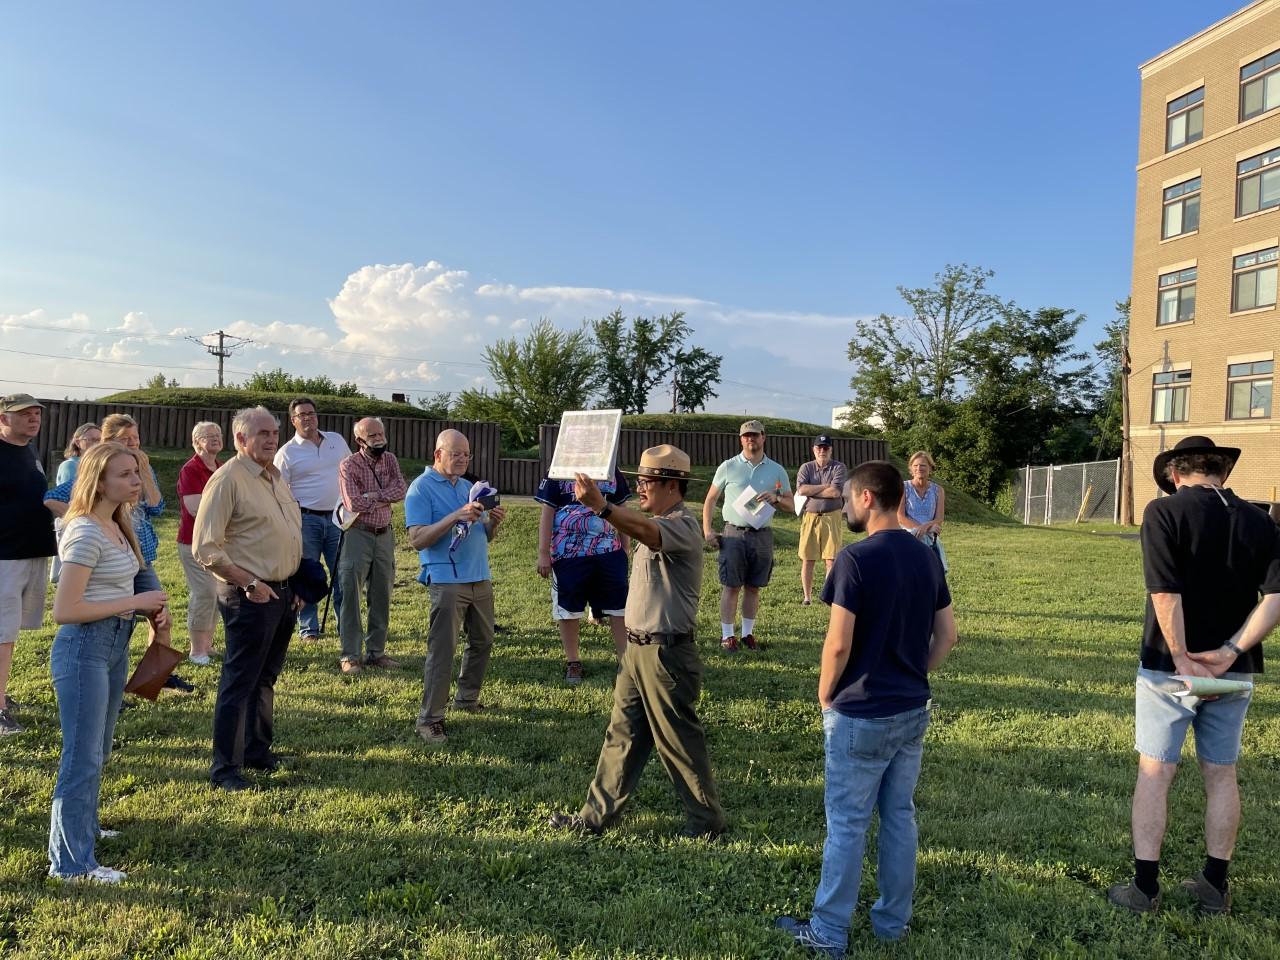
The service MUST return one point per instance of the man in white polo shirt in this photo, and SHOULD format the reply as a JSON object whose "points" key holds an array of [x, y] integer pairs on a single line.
{"points": [[746, 553], [309, 465]]}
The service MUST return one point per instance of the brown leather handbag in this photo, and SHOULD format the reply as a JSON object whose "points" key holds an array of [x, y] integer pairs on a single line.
{"points": [[159, 661]]}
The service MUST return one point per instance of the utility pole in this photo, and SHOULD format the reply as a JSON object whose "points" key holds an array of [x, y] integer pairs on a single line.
{"points": [[1126, 453], [223, 349], [675, 393]]}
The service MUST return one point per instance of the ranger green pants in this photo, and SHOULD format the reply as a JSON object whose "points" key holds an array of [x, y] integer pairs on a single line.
{"points": [[653, 706]]}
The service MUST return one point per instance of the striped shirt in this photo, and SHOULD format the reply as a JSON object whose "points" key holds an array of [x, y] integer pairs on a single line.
{"points": [[111, 567]]}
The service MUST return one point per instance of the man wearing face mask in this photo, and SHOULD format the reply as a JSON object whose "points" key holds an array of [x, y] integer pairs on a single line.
{"points": [[369, 481], [891, 624]]}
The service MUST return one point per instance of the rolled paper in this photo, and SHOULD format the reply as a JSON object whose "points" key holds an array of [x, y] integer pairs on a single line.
{"points": [[1210, 686]]}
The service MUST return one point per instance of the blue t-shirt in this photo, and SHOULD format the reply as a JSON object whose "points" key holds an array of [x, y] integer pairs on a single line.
{"points": [[892, 584], [430, 499], [576, 530]]}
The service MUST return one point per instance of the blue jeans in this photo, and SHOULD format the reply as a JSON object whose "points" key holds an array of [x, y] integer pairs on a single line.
{"points": [[90, 663], [320, 540], [871, 764]]}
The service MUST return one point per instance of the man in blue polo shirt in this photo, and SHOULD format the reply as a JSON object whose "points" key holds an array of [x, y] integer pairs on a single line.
{"points": [[746, 553], [451, 533], [891, 624]]}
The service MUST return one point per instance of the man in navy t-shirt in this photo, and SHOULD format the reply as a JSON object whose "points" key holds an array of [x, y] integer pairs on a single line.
{"points": [[891, 623]]}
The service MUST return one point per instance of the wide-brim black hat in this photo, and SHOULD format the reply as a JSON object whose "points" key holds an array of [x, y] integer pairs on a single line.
{"points": [[1187, 446]]}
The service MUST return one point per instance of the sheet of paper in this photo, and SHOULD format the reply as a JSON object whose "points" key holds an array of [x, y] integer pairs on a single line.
{"points": [[1210, 686], [587, 443], [756, 512], [800, 499]]}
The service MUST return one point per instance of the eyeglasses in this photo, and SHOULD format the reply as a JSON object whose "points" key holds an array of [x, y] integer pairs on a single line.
{"points": [[305, 416], [643, 482], [455, 456]]}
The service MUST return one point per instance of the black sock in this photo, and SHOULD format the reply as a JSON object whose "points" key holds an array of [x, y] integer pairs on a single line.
{"points": [[1215, 871], [1146, 874]]}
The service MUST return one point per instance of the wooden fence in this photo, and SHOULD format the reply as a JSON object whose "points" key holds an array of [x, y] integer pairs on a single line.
{"points": [[158, 426], [414, 439]]}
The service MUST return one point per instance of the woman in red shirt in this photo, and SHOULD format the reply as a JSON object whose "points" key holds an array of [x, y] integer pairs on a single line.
{"points": [[202, 590]]}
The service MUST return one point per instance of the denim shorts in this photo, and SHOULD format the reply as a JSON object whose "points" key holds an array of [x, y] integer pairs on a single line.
{"points": [[1161, 719]]}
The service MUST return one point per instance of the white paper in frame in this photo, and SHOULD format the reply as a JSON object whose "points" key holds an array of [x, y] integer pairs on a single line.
{"points": [[587, 443]]}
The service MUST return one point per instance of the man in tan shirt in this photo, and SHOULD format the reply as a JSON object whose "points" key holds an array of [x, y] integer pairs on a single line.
{"points": [[248, 533]]}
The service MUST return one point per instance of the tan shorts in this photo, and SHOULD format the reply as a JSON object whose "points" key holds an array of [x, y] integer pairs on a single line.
{"points": [[202, 592], [22, 591], [820, 535]]}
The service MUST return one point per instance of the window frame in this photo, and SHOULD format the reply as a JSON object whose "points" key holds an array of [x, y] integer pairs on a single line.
{"points": [[1183, 107], [1170, 198], [1179, 283], [1265, 164], [1267, 66], [1250, 377], [1178, 382], [1268, 258]]}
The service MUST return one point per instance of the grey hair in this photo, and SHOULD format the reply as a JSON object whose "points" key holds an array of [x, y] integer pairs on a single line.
{"points": [[243, 418], [378, 420], [201, 427]]}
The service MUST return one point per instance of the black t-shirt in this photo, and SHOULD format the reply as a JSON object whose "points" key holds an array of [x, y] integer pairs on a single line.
{"points": [[1218, 556], [26, 525], [892, 584]]}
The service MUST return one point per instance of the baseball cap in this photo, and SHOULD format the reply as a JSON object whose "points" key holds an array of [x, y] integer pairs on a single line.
{"points": [[18, 401], [822, 440], [751, 426]]}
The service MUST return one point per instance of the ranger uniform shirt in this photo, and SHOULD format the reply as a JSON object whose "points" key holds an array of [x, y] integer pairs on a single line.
{"points": [[666, 583]]}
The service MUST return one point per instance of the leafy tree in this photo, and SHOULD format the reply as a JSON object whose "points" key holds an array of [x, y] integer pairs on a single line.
{"points": [[436, 404], [1107, 425], [158, 382], [696, 374], [636, 356], [280, 381], [537, 379]]}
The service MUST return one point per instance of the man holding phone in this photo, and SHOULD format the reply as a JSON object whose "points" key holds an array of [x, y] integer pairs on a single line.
{"points": [[451, 531]]}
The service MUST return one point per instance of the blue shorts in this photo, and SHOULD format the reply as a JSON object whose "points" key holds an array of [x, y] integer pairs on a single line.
{"points": [[599, 580], [746, 556], [1161, 719], [146, 579]]}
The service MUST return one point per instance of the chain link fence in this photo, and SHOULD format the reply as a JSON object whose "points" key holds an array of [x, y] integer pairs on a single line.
{"points": [[1067, 493]]}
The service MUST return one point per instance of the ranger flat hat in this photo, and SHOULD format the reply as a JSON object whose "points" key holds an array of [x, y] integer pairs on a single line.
{"points": [[751, 426], [664, 462], [1187, 446], [18, 401]]}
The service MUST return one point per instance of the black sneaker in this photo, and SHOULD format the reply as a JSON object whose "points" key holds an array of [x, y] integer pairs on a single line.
{"points": [[570, 822], [175, 682], [13, 706], [803, 935], [9, 725], [573, 673]]}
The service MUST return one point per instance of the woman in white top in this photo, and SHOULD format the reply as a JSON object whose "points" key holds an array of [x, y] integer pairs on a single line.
{"points": [[95, 605]]}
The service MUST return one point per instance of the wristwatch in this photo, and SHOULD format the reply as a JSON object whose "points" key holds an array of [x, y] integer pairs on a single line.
{"points": [[608, 509], [1231, 645], [251, 586]]}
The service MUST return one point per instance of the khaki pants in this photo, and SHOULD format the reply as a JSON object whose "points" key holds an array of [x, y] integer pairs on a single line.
{"points": [[653, 706], [452, 606], [367, 568]]}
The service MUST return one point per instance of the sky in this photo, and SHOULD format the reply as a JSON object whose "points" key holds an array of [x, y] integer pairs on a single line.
{"points": [[377, 191]]}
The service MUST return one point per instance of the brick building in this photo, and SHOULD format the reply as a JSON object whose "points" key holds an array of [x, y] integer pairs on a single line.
{"points": [[1204, 326]]}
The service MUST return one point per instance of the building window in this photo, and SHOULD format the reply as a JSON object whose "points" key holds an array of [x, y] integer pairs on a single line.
{"points": [[1169, 392], [1258, 183], [1260, 86], [1177, 296], [1181, 209], [1184, 121], [1253, 280], [1249, 390]]}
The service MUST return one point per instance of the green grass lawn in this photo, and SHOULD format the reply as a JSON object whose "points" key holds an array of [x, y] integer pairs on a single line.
{"points": [[375, 845]]}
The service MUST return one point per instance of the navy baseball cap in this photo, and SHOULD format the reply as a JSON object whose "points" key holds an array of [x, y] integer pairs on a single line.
{"points": [[822, 441]]}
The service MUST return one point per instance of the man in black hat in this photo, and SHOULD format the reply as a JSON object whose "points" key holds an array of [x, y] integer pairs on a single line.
{"points": [[1206, 556]]}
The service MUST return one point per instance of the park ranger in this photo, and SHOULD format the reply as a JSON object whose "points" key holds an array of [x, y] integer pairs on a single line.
{"points": [[661, 674]]}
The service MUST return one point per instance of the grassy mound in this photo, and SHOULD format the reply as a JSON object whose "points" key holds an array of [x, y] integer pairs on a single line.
{"points": [[234, 399]]}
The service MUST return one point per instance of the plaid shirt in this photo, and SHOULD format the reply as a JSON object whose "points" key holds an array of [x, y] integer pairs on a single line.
{"points": [[369, 487], [148, 542]]}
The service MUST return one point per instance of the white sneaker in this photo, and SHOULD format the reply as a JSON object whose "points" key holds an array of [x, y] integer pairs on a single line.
{"points": [[97, 875], [108, 834], [200, 661]]}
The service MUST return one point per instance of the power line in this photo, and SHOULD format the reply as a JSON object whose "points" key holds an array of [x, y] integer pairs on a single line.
{"points": [[117, 363], [223, 349]]}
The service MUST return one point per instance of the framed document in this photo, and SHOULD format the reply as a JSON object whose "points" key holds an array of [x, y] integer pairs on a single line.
{"points": [[587, 443]]}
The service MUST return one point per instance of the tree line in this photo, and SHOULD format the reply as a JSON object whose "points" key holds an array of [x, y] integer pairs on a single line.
{"points": [[984, 384]]}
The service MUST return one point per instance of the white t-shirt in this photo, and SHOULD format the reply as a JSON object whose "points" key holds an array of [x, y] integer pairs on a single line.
{"points": [[311, 471], [112, 567]]}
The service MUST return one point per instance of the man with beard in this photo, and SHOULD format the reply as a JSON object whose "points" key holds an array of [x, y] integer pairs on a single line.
{"points": [[891, 623]]}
